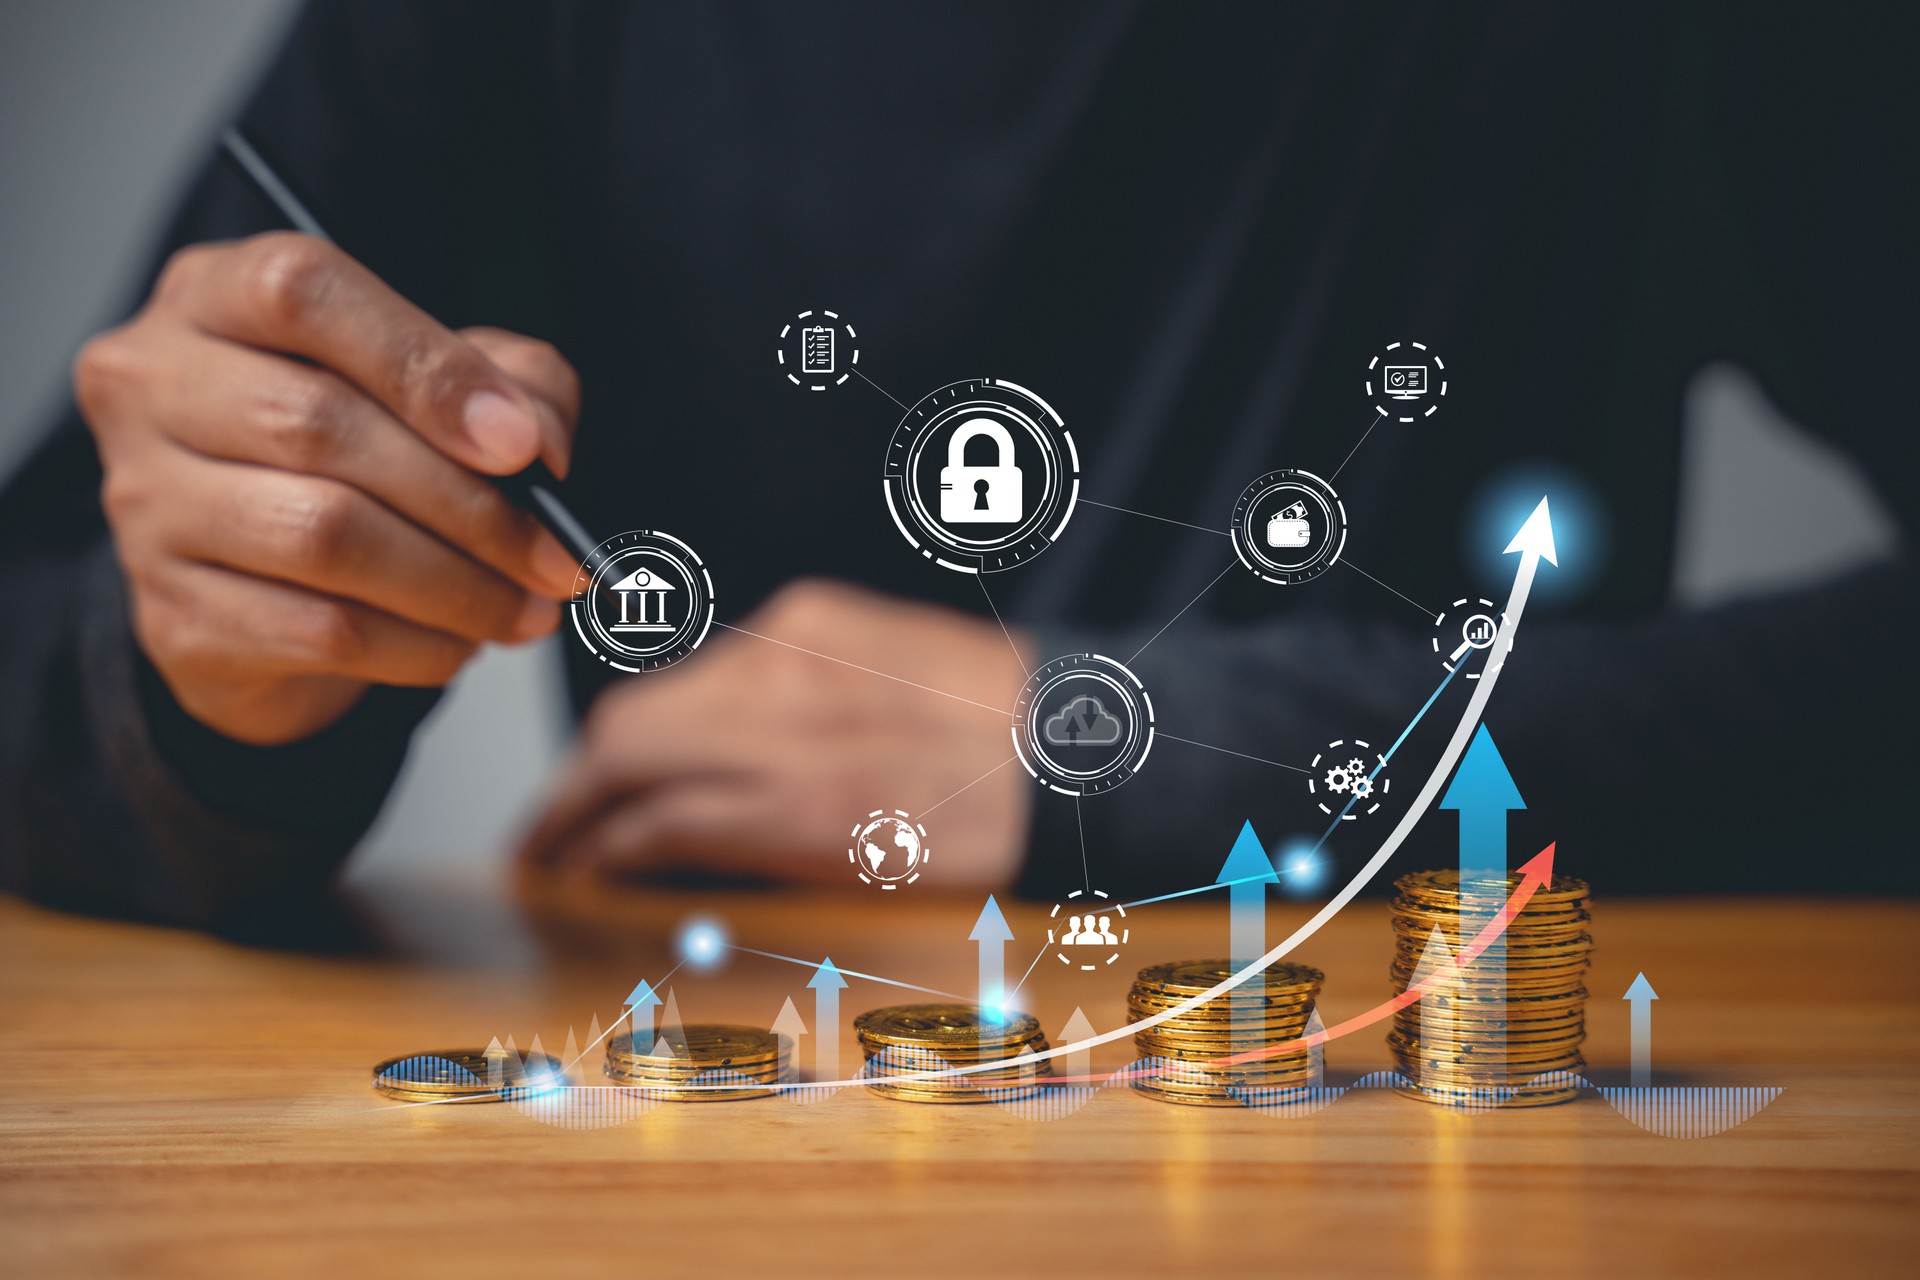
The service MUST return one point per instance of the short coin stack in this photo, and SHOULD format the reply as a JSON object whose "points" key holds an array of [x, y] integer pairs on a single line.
{"points": [[703, 1063], [910, 1039], [1267, 1010], [1469, 1043], [467, 1075]]}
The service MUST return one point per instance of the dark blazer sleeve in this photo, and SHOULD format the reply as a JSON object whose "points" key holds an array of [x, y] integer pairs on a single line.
{"points": [[113, 799]]}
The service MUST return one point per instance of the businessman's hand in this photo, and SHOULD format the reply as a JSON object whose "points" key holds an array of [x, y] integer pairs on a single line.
{"points": [[291, 452], [753, 759]]}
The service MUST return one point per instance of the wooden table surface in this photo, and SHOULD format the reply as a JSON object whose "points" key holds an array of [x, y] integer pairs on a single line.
{"points": [[178, 1105]]}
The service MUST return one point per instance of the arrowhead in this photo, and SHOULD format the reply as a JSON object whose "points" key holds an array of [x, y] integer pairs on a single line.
{"points": [[1076, 1028], [826, 977], [1641, 990], [642, 995], [991, 926], [1315, 1035], [789, 1023], [1247, 861], [1536, 536], [669, 1025], [1540, 866], [1482, 780], [495, 1049]]}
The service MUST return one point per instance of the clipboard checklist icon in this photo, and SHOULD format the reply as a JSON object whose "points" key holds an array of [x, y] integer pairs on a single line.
{"points": [[816, 349]]}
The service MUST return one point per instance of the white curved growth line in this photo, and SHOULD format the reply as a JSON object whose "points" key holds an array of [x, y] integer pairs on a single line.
{"points": [[1534, 540]]}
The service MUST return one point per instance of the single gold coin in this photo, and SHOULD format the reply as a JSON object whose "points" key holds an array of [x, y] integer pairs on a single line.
{"points": [[1268, 1028], [1191, 977], [1219, 1009], [1458, 1096], [706, 1045], [1416, 930], [896, 1057], [971, 1093], [778, 1071], [1446, 883]]}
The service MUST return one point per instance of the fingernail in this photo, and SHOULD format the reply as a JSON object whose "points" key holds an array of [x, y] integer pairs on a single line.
{"points": [[505, 433], [540, 616], [555, 565]]}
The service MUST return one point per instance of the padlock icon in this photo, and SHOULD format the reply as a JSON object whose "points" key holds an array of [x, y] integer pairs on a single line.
{"points": [[980, 495], [1288, 527]]}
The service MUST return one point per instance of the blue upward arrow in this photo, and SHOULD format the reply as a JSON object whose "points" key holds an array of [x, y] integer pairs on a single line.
{"points": [[642, 997], [1640, 997], [1483, 791], [826, 977], [1247, 872], [992, 933], [827, 985]]}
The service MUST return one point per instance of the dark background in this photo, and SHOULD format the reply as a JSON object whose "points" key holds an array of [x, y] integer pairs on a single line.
{"points": [[105, 109]]}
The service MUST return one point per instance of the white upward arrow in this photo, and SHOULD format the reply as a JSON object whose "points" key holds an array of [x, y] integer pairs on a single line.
{"points": [[1317, 1055], [791, 1026], [1077, 1030]]}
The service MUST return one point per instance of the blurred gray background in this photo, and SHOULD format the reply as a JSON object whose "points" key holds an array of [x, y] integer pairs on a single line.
{"points": [[106, 106]]}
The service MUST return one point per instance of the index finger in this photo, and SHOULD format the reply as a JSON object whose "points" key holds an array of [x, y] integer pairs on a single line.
{"points": [[295, 294]]}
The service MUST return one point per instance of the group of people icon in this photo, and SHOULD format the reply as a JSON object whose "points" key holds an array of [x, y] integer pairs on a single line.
{"points": [[1096, 933]]}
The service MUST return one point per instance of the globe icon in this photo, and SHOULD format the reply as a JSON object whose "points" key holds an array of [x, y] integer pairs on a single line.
{"points": [[889, 848]]}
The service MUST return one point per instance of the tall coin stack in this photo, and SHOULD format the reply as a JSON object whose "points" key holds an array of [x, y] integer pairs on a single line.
{"points": [[910, 1039], [703, 1063], [1250, 1017], [1469, 1042]]}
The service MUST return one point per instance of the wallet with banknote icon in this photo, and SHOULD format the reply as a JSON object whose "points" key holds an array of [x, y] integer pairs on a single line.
{"points": [[1288, 527]]}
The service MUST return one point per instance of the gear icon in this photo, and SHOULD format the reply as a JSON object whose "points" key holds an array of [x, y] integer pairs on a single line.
{"points": [[1362, 786], [1356, 767], [1339, 779]]}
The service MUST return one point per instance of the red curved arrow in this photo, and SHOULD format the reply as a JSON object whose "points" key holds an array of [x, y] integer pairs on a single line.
{"points": [[1534, 873]]}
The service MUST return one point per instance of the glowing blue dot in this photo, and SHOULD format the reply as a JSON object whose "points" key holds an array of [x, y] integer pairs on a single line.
{"points": [[702, 943], [1302, 868]]}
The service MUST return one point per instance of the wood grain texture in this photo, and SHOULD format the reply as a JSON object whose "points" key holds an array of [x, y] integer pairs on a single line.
{"points": [[179, 1105]]}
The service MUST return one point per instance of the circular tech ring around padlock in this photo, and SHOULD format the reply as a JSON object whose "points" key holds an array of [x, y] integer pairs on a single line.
{"points": [[998, 508]]}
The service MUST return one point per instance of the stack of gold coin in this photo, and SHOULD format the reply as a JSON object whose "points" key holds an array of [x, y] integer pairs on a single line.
{"points": [[1262, 1012], [467, 1075], [703, 1063], [1480, 1039], [910, 1039]]}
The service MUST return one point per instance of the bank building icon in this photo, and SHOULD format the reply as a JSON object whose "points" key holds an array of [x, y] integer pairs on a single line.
{"points": [[643, 602]]}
